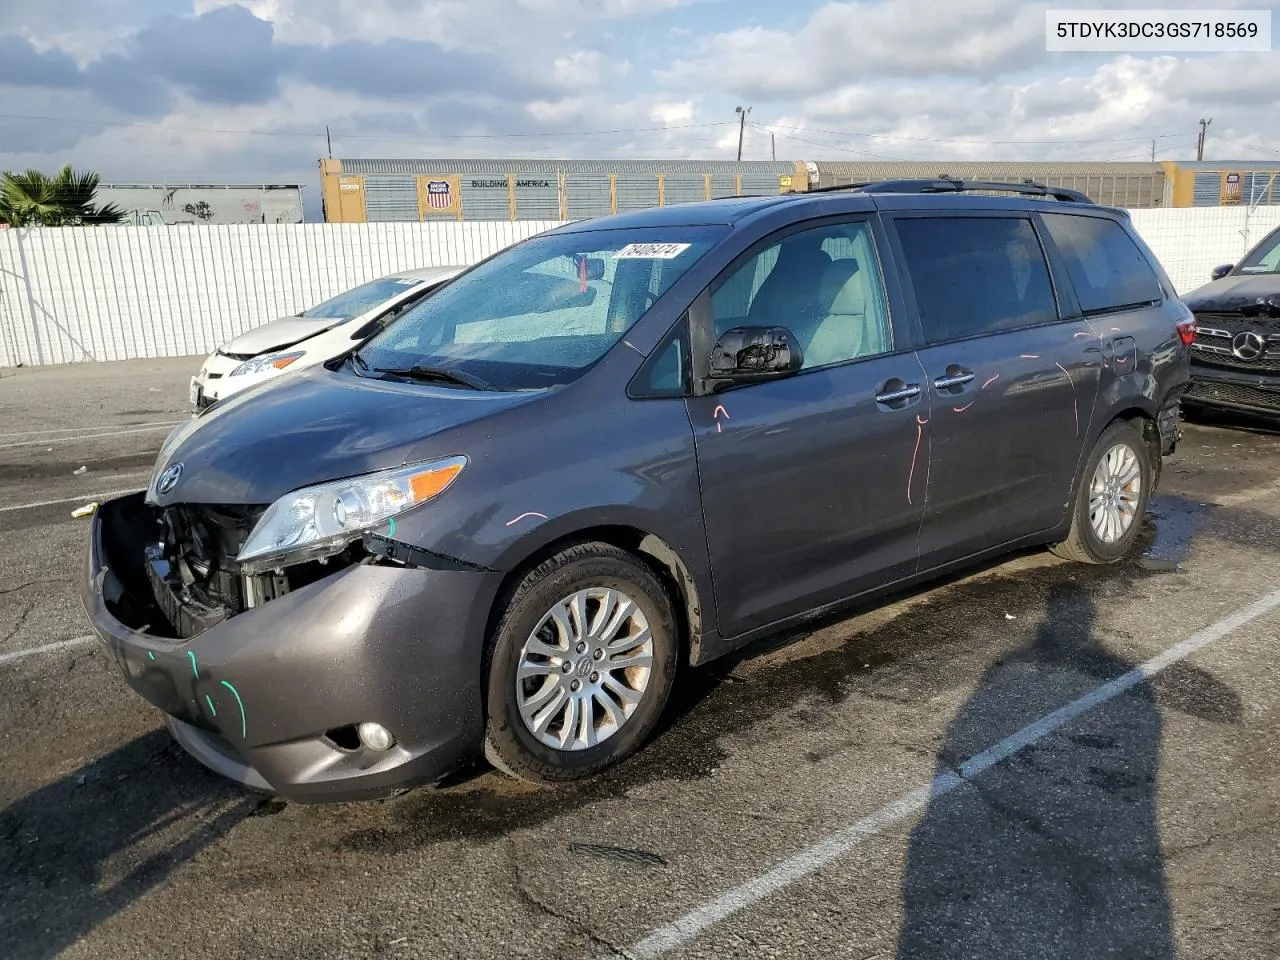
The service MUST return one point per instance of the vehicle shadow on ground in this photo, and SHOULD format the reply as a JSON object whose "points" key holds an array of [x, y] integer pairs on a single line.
{"points": [[1054, 853], [88, 846], [1259, 423], [904, 658]]}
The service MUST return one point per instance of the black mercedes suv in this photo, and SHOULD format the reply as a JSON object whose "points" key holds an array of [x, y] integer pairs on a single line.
{"points": [[1235, 359]]}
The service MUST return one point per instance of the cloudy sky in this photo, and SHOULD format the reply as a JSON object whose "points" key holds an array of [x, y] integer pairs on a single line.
{"points": [[241, 90]]}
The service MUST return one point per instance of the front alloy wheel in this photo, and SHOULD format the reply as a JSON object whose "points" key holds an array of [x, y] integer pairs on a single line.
{"points": [[584, 669], [580, 666]]}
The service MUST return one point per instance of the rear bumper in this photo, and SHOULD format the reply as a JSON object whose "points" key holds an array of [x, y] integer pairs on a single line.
{"points": [[1253, 393], [256, 696]]}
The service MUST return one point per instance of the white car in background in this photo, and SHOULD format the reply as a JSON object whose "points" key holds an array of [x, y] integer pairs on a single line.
{"points": [[317, 334]]}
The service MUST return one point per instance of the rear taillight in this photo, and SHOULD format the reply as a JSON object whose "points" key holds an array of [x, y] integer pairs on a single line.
{"points": [[1187, 332]]}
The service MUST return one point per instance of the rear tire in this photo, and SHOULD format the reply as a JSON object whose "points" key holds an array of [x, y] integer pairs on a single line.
{"points": [[1111, 498], [557, 711]]}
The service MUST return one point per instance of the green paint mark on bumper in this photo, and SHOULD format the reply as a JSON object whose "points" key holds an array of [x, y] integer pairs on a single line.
{"points": [[240, 703]]}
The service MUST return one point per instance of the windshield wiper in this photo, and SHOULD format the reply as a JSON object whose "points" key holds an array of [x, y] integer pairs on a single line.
{"points": [[435, 374]]}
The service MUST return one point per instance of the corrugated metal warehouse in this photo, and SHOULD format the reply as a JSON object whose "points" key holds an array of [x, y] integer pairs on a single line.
{"points": [[358, 191], [1212, 183], [1133, 185]]}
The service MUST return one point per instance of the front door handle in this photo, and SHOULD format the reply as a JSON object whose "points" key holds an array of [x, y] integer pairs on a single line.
{"points": [[906, 391], [953, 380]]}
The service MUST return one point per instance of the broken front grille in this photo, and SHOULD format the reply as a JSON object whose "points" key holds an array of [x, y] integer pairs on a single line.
{"points": [[195, 578]]}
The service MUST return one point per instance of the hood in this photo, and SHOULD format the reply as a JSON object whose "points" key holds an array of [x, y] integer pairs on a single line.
{"points": [[313, 426], [278, 334], [1231, 293]]}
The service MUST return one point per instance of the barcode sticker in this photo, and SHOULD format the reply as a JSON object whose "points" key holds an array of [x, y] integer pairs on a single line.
{"points": [[652, 251]]}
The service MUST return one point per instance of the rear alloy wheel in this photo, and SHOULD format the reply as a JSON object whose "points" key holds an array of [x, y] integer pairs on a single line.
{"points": [[1114, 493], [1112, 498], [581, 666]]}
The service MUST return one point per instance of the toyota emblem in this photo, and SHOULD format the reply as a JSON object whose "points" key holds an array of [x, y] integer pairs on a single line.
{"points": [[1247, 345], [169, 479]]}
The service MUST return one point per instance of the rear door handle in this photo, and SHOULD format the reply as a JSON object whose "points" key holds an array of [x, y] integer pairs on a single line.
{"points": [[953, 380]]}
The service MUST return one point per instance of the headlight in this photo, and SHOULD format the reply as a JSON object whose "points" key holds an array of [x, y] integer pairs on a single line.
{"points": [[319, 521], [267, 361]]}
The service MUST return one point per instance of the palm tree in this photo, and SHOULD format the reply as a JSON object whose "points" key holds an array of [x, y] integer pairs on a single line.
{"points": [[32, 199]]}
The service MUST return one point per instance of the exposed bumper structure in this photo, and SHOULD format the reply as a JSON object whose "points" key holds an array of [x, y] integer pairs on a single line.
{"points": [[262, 697], [1251, 393]]}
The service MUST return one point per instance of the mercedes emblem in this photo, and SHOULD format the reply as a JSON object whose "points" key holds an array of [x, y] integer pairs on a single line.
{"points": [[1247, 345], [169, 479]]}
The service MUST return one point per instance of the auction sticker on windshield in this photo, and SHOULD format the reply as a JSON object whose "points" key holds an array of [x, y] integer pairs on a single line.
{"points": [[652, 251]]}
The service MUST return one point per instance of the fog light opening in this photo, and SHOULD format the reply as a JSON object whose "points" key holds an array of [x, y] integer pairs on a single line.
{"points": [[375, 736], [344, 738]]}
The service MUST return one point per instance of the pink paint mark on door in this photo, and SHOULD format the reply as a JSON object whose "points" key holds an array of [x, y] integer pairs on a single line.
{"points": [[915, 455]]}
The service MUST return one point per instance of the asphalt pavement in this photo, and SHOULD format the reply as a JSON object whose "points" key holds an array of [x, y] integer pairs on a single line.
{"points": [[1035, 760]]}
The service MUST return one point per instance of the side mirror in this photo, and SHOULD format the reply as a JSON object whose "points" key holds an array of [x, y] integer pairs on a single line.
{"points": [[745, 354], [1220, 272]]}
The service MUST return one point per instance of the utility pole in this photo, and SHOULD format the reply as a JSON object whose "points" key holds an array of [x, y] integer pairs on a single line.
{"points": [[742, 125], [1204, 128], [329, 140], [773, 150], [1153, 151]]}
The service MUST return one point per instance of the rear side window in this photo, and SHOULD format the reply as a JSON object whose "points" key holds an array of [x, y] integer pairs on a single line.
{"points": [[1106, 267], [976, 275]]}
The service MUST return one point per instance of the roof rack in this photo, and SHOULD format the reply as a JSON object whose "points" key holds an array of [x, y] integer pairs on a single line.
{"points": [[946, 184]]}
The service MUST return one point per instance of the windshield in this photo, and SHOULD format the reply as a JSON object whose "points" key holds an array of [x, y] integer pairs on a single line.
{"points": [[365, 297], [1265, 257], [541, 312]]}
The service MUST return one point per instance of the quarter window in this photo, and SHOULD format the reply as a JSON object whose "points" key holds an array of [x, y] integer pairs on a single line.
{"points": [[822, 284], [1106, 267], [976, 275]]}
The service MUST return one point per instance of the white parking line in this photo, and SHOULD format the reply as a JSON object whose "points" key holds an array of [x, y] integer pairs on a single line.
{"points": [[838, 844], [87, 436], [80, 430], [47, 648], [83, 498]]}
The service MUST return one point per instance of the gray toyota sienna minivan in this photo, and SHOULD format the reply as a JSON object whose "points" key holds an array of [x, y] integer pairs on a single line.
{"points": [[629, 446]]}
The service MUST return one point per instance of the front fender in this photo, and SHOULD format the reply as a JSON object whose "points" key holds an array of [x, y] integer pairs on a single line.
{"points": [[560, 468]]}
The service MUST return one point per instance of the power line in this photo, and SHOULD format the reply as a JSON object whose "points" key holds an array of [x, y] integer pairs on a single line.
{"points": [[321, 133], [833, 146], [504, 136], [972, 140], [162, 126], [1252, 146]]}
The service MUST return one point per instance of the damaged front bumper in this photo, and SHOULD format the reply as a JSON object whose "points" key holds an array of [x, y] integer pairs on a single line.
{"points": [[269, 696]]}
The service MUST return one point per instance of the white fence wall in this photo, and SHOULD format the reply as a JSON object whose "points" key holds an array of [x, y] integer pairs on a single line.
{"points": [[75, 294], [1191, 241]]}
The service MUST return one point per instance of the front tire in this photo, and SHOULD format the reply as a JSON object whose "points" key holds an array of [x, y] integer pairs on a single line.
{"points": [[580, 666], [1111, 499]]}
